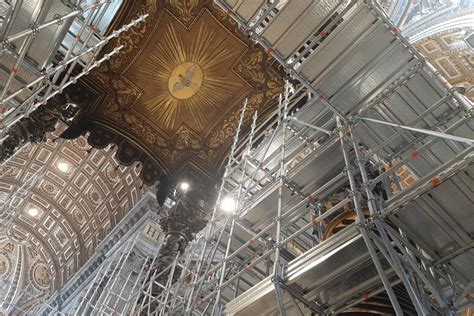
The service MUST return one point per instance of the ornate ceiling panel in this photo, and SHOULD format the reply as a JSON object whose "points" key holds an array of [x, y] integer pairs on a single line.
{"points": [[438, 29], [409, 14], [176, 90], [448, 52], [80, 196], [184, 74]]}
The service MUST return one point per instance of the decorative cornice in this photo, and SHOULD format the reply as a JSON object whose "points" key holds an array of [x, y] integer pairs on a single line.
{"points": [[33, 129]]}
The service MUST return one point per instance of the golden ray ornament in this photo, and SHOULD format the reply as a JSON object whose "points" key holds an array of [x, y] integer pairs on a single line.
{"points": [[188, 76]]}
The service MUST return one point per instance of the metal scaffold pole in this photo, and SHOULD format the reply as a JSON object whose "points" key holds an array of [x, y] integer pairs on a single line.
{"points": [[209, 231], [278, 267], [185, 271], [104, 280], [144, 286], [465, 140], [235, 214], [168, 286], [385, 245], [59, 19], [361, 222]]}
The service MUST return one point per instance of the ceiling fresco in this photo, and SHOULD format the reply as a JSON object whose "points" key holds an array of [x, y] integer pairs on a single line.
{"points": [[448, 52], [176, 90], [80, 194]]}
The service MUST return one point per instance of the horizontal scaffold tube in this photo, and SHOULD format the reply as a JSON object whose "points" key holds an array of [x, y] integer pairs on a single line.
{"points": [[56, 20], [420, 130]]}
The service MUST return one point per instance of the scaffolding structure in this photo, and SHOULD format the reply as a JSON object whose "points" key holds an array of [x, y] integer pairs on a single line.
{"points": [[27, 292], [314, 214], [322, 218], [41, 61]]}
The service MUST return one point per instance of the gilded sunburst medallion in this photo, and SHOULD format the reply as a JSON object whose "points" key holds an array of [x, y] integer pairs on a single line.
{"points": [[186, 74]]}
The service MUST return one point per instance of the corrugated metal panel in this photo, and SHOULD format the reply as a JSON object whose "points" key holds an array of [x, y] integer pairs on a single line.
{"points": [[246, 9], [372, 80], [357, 60], [463, 264], [24, 16], [337, 44], [316, 114], [445, 213], [409, 101], [284, 25], [289, 36]]}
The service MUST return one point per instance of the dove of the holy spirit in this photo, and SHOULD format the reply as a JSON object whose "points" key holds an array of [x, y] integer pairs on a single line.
{"points": [[185, 80]]}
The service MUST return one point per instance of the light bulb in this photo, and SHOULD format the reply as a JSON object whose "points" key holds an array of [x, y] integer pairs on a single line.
{"points": [[33, 212], [184, 186], [63, 166], [228, 204]]}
